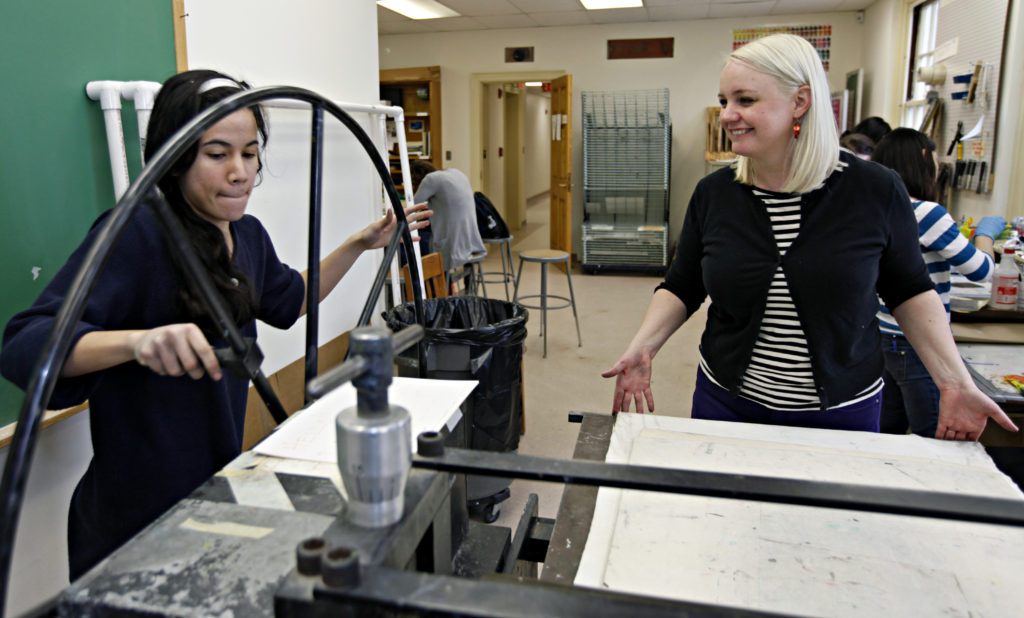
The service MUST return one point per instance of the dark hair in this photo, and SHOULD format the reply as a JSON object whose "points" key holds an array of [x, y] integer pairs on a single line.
{"points": [[418, 169], [180, 99], [901, 150], [858, 143], [874, 127]]}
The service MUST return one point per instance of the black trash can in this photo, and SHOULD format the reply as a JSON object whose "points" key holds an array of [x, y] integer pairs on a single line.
{"points": [[473, 338]]}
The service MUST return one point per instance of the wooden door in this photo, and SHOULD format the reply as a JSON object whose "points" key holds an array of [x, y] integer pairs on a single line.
{"points": [[561, 163]]}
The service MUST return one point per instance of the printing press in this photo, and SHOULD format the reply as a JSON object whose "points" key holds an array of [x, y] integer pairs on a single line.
{"points": [[267, 536]]}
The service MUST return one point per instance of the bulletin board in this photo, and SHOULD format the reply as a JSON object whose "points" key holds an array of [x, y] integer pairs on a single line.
{"points": [[971, 33], [54, 167], [818, 36]]}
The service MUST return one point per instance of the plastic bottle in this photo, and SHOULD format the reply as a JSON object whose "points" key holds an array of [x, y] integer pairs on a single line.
{"points": [[1004, 281]]}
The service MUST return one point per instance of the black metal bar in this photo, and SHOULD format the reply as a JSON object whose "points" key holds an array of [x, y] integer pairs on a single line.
{"points": [[316, 173], [894, 501], [384, 592], [355, 365], [538, 539], [519, 537]]}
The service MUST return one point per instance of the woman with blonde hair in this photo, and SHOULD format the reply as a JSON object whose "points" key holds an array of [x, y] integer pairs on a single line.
{"points": [[791, 244]]}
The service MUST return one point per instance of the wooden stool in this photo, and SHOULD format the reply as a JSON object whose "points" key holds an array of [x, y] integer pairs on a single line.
{"points": [[545, 257], [506, 274]]}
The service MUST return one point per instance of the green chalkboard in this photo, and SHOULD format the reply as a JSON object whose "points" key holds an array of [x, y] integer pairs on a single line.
{"points": [[54, 168]]}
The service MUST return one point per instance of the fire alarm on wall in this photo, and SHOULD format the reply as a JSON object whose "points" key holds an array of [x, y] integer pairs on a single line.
{"points": [[518, 54]]}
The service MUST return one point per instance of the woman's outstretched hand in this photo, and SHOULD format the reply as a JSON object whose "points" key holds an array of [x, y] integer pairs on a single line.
{"points": [[632, 375], [378, 233], [176, 350]]}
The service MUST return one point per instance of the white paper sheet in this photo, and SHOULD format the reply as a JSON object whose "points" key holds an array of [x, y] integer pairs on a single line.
{"points": [[309, 434]]}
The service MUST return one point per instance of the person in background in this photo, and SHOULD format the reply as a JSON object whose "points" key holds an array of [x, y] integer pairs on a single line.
{"points": [[163, 415], [791, 244], [859, 144], [874, 127], [454, 230], [910, 397]]}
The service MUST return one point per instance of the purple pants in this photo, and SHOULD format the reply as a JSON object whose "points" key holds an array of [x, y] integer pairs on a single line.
{"points": [[714, 403]]}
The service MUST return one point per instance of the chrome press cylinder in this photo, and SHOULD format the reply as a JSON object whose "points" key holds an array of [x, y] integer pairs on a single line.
{"points": [[374, 438], [374, 455]]}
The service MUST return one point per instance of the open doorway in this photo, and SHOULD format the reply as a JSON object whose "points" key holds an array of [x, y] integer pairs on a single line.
{"points": [[511, 133]]}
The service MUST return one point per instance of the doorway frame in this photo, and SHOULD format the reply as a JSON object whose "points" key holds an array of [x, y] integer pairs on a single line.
{"points": [[477, 82]]}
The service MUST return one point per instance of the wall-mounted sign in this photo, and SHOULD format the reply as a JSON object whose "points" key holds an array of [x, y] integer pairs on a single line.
{"points": [[619, 49]]}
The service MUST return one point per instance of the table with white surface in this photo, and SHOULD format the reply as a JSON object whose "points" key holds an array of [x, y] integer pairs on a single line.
{"points": [[795, 559]]}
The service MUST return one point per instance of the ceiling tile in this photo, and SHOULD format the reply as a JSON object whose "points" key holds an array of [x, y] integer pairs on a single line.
{"points": [[720, 8], [476, 8], [618, 16], [507, 21], [679, 11], [549, 6], [565, 18], [805, 6]]}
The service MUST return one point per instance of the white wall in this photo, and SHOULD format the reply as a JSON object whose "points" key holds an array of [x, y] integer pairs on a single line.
{"points": [[883, 56], [321, 45], [692, 76], [326, 46], [39, 567], [537, 144]]}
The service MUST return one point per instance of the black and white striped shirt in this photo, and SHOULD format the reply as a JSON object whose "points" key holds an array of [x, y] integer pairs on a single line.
{"points": [[779, 375]]}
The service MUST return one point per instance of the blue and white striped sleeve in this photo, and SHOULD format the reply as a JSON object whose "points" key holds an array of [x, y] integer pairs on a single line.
{"points": [[939, 233]]}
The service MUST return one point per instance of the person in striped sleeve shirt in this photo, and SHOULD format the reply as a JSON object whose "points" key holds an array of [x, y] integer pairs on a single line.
{"points": [[910, 397]]}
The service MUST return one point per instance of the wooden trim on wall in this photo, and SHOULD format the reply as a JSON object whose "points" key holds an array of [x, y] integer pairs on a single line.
{"points": [[180, 42], [49, 418]]}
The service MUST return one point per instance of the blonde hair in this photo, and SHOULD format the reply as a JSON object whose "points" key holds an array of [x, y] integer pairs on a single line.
{"points": [[793, 63]]}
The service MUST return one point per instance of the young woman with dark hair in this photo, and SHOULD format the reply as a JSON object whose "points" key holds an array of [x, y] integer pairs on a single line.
{"points": [[910, 397], [157, 435]]}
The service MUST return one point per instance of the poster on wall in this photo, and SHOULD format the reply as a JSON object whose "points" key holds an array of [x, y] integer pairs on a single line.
{"points": [[820, 37]]}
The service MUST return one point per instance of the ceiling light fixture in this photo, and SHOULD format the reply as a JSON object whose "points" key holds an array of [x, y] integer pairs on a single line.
{"points": [[418, 9], [593, 5], [533, 84]]}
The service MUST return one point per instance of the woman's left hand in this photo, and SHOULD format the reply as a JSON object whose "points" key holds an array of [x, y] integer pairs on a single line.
{"points": [[964, 412], [378, 233]]}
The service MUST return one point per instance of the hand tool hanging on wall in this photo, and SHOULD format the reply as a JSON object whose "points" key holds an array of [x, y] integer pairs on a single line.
{"points": [[956, 138]]}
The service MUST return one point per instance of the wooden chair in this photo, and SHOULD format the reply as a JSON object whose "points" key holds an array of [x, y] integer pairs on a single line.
{"points": [[434, 281]]}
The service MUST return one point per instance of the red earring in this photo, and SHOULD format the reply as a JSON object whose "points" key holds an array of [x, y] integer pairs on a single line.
{"points": [[796, 128]]}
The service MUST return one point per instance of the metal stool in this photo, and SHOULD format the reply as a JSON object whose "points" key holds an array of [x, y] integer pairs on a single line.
{"points": [[506, 273], [545, 257], [473, 272]]}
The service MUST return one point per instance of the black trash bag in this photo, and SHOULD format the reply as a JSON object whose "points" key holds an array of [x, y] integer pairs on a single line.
{"points": [[473, 338]]}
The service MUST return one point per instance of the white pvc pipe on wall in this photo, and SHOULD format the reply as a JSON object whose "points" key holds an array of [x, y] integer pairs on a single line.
{"points": [[108, 93], [142, 94]]}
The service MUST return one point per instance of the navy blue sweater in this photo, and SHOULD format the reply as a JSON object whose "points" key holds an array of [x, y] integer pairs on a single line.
{"points": [[857, 235], [154, 438]]}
